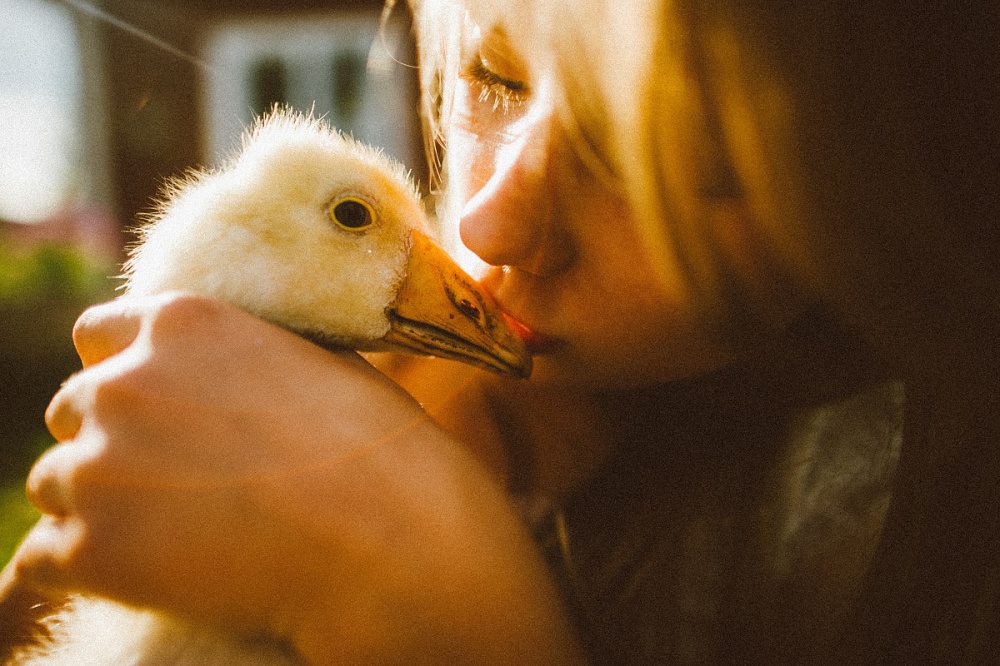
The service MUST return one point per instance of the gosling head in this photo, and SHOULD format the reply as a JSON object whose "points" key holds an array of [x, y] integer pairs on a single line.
{"points": [[326, 237]]}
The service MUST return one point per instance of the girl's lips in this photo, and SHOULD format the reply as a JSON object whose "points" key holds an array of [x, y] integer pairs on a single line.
{"points": [[535, 342]]}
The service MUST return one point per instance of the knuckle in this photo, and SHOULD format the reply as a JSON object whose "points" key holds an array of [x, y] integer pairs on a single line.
{"points": [[91, 320], [63, 414], [176, 312], [60, 419], [50, 556], [113, 393], [116, 397], [104, 330], [46, 491], [95, 398], [54, 479]]}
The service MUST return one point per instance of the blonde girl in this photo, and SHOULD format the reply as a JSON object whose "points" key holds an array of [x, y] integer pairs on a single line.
{"points": [[750, 247]]}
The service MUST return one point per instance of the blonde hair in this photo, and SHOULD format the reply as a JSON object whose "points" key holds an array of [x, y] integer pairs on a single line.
{"points": [[667, 108]]}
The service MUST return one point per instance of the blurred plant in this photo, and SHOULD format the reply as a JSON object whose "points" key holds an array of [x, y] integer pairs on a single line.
{"points": [[50, 272], [42, 291], [17, 515]]}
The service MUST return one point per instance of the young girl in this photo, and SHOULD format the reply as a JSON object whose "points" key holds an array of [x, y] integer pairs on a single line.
{"points": [[750, 250]]}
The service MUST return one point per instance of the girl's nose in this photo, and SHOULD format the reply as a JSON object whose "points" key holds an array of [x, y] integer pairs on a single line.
{"points": [[514, 220]]}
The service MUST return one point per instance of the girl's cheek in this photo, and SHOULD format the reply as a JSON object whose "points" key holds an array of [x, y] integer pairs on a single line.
{"points": [[480, 132], [470, 164], [469, 160]]}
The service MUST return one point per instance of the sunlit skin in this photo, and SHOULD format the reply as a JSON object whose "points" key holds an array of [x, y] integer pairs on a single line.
{"points": [[792, 156], [181, 482], [568, 265], [568, 261]]}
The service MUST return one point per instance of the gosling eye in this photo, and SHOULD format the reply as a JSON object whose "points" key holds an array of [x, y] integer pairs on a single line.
{"points": [[352, 213]]}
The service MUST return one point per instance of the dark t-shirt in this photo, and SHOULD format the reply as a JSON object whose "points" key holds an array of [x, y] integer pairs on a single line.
{"points": [[739, 534]]}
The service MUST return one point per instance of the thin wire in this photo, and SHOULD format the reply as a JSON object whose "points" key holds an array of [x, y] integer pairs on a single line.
{"points": [[376, 61], [101, 15]]}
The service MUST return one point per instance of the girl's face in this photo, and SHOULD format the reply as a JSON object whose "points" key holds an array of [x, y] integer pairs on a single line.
{"points": [[566, 258]]}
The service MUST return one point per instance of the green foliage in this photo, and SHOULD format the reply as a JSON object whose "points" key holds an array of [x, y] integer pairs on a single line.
{"points": [[42, 291], [50, 272], [17, 515]]}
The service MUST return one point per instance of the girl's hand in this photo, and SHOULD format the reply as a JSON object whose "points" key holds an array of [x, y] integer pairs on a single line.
{"points": [[222, 468]]}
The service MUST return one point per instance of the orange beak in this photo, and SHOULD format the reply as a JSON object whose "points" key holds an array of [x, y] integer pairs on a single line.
{"points": [[440, 311]]}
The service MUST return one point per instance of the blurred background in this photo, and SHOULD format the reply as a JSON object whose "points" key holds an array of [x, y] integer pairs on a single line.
{"points": [[101, 101]]}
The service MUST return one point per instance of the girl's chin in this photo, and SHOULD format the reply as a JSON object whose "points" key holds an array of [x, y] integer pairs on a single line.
{"points": [[564, 368], [556, 369]]}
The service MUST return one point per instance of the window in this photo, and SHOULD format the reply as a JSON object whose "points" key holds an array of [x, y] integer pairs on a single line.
{"points": [[40, 110], [336, 64]]}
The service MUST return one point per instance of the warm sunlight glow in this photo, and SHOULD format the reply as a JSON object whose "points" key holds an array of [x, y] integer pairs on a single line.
{"points": [[39, 109]]}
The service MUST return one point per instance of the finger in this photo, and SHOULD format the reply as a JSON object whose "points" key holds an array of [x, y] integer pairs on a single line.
{"points": [[63, 416], [104, 330], [44, 558], [50, 481]]}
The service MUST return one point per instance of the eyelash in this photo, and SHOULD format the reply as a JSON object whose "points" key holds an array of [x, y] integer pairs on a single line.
{"points": [[504, 92]]}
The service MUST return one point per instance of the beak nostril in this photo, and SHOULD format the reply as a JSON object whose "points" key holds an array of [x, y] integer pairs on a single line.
{"points": [[466, 307]]}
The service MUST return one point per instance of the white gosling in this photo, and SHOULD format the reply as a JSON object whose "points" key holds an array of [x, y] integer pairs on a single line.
{"points": [[326, 237]]}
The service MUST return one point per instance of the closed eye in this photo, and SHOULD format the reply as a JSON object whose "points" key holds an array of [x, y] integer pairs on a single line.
{"points": [[502, 91]]}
